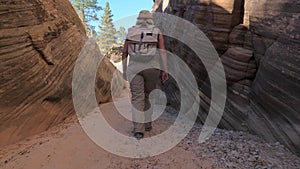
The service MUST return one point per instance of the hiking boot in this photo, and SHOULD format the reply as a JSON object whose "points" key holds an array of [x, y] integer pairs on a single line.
{"points": [[138, 135], [148, 126]]}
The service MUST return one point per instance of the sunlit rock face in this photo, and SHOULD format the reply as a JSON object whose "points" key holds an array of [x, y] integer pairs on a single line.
{"points": [[215, 18], [259, 46], [39, 44]]}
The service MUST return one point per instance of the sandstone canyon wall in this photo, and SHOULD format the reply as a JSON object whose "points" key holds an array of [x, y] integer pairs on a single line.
{"points": [[259, 45], [39, 44]]}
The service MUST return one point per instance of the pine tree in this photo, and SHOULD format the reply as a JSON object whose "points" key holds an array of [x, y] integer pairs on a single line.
{"points": [[107, 37], [87, 11], [121, 34]]}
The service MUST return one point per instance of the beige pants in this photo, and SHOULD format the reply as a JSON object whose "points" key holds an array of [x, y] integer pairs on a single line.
{"points": [[141, 86]]}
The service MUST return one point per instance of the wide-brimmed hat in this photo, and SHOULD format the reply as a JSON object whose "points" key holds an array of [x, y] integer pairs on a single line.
{"points": [[145, 14]]}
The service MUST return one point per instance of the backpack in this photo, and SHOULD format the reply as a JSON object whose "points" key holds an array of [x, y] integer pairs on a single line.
{"points": [[142, 42]]}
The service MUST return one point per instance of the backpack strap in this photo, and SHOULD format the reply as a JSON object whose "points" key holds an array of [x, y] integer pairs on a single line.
{"points": [[141, 41]]}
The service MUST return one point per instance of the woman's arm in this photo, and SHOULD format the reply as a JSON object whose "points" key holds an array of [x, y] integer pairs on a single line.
{"points": [[163, 54], [124, 59]]}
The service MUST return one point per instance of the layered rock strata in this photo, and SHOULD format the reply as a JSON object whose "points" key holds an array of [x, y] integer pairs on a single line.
{"points": [[39, 44], [259, 43]]}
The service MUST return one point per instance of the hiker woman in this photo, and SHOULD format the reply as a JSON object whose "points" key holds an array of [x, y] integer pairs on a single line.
{"points": [[143, 69]]}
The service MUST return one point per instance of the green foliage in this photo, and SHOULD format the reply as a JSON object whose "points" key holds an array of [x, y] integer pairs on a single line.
{"points": [[87, 11], [121, 34], [115, 53], [107, 36]]}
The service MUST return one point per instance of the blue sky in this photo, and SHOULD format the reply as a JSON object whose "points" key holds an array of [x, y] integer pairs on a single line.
{"points": [[123, 8], [125, 11]]}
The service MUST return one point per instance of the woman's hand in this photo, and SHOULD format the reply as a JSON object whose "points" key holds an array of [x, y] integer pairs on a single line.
{"points": [[165, 76]]}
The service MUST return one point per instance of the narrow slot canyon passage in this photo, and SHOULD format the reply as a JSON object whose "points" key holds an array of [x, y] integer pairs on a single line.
{"points": [[54, 94]]}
